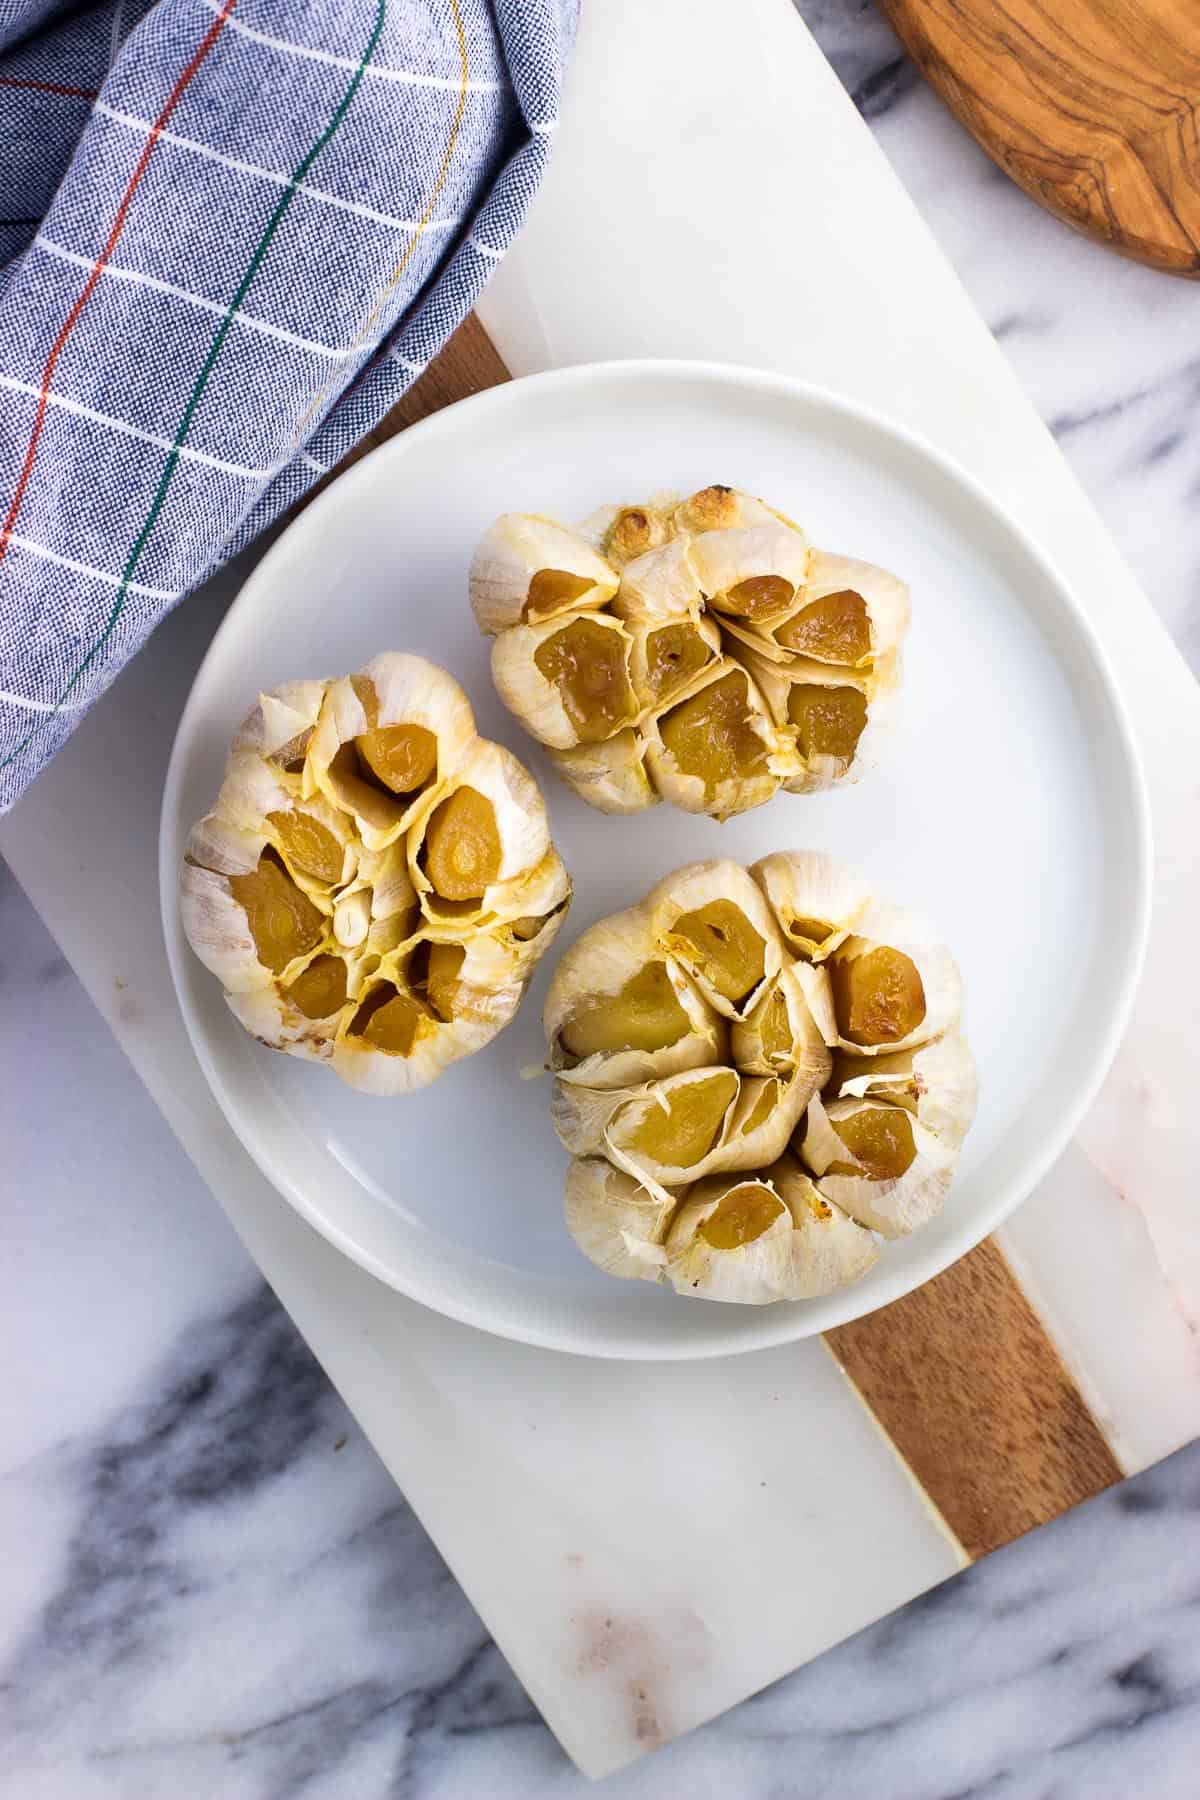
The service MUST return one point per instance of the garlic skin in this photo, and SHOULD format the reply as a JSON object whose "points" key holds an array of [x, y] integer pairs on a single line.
{"points": [[892, 1205], [806, 889], [609, 965], [936, 1082], [616, 1223], [535, 699], [784, 659], [769, 1064], [612, 776], [312, 889], [519, 548], [754, 1273], [678, 906]]}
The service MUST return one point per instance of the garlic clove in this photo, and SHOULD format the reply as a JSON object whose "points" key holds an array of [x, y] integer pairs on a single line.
{"points": [[615, 1222], [714, 921], [567, 678], [877, 1163], [936, 1082], [242, 913], [716, 751], [703, 1121], [828, 1249], [281, 725], [529, 568], [299, 1015], [671, 1131], [478, 843], [610, 776], [853, 613], [385, 740], [756, 573], [668, 655], [782, 1035], [834, 718], [618, 1012], [731, 1240], [815, 899], [894, 983], [661, 584]]}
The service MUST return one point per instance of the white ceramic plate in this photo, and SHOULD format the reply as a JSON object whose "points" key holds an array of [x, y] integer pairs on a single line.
{"points": [[1009, 808]]}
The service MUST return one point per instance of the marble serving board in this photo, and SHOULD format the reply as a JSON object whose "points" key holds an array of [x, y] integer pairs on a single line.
{"points": [[611, 1522]]}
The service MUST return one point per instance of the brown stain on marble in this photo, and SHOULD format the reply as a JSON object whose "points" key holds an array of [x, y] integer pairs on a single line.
{"points": [[625, 1653], [1091, 106]]}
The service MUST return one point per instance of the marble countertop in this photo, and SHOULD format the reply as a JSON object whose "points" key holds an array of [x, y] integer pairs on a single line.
{"points": [[211, 1587]]}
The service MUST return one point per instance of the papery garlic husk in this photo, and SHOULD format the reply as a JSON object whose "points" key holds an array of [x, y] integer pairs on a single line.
{"points": [[611, 776], [829, 746], [719, 508], [567, 679], [756, 572], [829, 1249], [223, 868], [623, 533], [530, 568], [615, 1222], [750, 1261], [704, 1121], [895, 984], [713, 919], [477, 846], [936, 1082], [396, 701], [580, 1115], [877, 1163], [815, 900], [382, 878], [544, 897], [619, 1013], [851, 614], [280, 726], [662, 584], [668, 656], [722, 755], [782, 1035]]}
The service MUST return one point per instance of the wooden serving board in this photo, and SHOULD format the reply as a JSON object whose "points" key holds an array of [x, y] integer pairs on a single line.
{"points": [[962, 1376], [1090, 105]]}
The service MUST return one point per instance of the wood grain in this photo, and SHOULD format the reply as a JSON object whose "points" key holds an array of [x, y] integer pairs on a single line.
{"points": [[965, 1381], [960, 1375], [1090, 105]]}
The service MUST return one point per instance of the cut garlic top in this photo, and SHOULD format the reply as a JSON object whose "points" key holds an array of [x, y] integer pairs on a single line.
{"points": [[376, 882], [698, 651], [769, 1065]]}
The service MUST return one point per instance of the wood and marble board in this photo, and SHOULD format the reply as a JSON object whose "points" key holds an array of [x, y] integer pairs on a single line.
{"points": [[1092, 106], [961, 1376]]}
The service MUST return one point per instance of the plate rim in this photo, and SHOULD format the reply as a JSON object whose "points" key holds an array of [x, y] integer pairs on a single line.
{"points": [[780, 1324]]}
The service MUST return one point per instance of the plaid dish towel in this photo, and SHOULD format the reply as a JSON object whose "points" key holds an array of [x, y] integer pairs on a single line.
{"points": [[232, 232]]}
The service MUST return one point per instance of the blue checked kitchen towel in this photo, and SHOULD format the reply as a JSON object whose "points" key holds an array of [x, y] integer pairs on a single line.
{"points": [[232, 232]]}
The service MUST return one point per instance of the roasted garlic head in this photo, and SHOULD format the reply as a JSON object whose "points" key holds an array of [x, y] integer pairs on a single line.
{"points": [[375, 882], [759, 1074], [698, 651]]}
